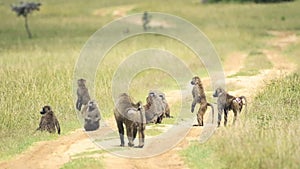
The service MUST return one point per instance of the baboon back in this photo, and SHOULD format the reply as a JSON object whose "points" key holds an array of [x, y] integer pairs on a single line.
{"points": [[92, 117]]}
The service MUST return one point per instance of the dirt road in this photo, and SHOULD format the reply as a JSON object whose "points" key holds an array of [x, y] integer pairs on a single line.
{"points": [[53, 154]]}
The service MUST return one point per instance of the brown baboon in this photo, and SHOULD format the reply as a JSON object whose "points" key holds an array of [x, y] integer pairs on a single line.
{"points": [[154, 109], [167, 113], [83, 96], [133, 116], [48, 121], [199, 97], [227, 102], [91, 116]]}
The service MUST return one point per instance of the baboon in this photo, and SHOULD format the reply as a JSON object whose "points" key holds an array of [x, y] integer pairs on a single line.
{"points": [[227, 102], [48, 121], [91, 116], [146, 19], [83, 96], [133, 116], [154, 109], [199, 97], [167, 112]]}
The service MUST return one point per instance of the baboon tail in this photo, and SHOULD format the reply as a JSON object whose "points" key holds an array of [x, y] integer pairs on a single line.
{"points": [[243, 97], [57, 126], [212, 112]]}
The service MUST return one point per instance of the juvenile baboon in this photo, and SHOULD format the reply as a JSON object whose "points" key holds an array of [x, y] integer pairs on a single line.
{"points": [[83, 96], [48, 121], [199, 97], [133, 116], [91, 116], [154, 109], [227, 102]]}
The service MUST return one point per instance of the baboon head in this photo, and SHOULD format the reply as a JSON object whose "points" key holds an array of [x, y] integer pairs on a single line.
{"points": [[92, 105], [152, 95], [162, 96], [81, 82], [195, 80], [218, 92], [46, 109]]}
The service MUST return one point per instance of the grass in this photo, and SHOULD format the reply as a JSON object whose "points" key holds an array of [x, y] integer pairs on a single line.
{"points": [[267, 137], [84, 163], [39, 71]]}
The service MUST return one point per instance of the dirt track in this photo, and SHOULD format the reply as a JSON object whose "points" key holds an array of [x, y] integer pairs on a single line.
{"points": [[53, 154]]}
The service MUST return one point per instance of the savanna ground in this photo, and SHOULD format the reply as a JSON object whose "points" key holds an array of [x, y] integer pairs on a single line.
{"points": [[256, 43]]}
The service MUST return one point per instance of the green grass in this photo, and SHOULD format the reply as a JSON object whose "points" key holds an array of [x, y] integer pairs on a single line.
{"points": [[80, 163], [267, 137], [198, 156], [39, 71]]}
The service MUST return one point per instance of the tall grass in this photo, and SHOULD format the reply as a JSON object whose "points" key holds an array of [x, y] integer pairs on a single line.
{"points": [[39, 71], [267, 137]]}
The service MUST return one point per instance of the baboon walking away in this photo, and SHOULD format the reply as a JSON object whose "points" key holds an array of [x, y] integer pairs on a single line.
{"points": [[92, 116], [83, 96], [227, 102], [48, 121], [133, 116], [199, 97]]}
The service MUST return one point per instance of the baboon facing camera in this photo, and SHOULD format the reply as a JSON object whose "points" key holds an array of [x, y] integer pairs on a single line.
{"points": [[92, 116], [227, 102], [133, 116], [83, 96], [199, 97], [154, 109], [48, 121]]}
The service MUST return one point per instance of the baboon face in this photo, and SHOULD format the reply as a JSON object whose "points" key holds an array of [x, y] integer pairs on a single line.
{"points": [[81, 82], [218, 92], [195, 80], [46, 109]]}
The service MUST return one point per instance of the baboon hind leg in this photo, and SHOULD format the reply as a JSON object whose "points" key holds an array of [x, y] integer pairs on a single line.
{"points": [[129, 132], [225, 117], [134, 133], [141, 136], [200, 114]]}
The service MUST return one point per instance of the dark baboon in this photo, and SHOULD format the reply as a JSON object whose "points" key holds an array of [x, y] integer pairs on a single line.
{"points": [[83, 96], [154, 109], [48, 121], [133, 116], [227, 102], [91, 116], [199, 97]]}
